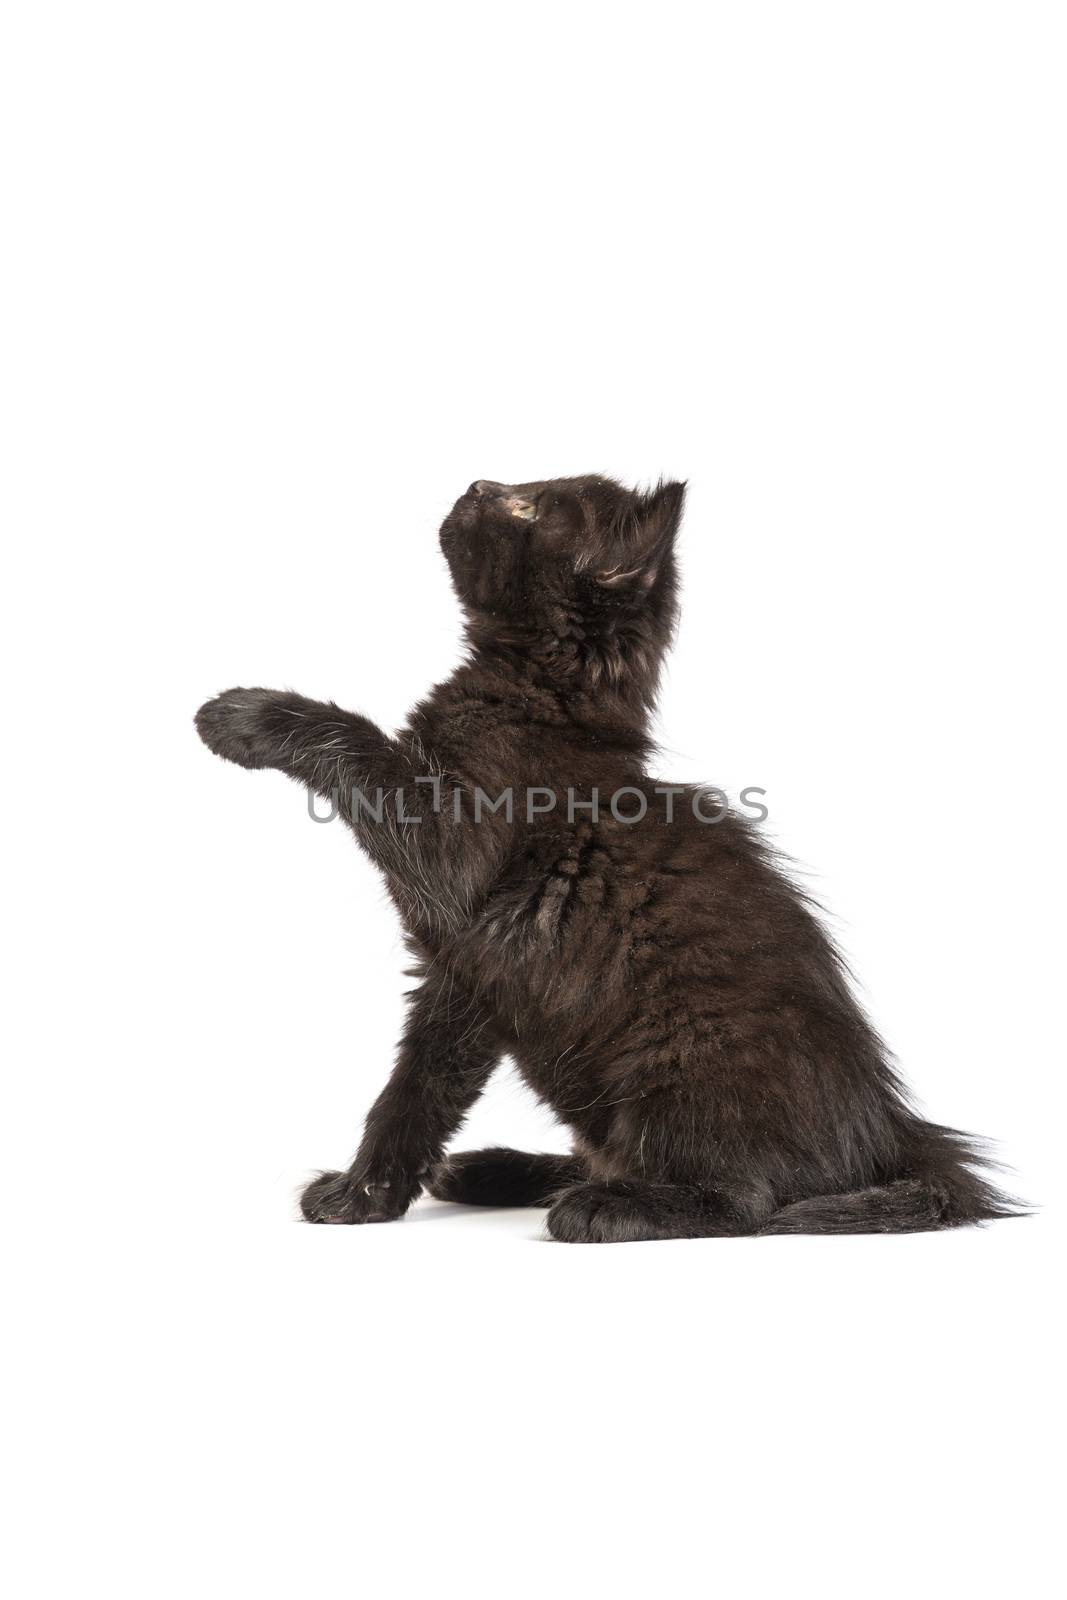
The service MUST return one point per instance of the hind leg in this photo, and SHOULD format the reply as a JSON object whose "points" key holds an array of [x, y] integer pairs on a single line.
{"points": [[503, 1177], [629, 1209], [663, 1170]]}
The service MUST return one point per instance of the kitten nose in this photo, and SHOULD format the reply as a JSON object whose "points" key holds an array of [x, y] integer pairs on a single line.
{"points": [[482, 486]]}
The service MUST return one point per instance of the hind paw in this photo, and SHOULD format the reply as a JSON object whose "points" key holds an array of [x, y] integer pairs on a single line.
{"points": [[605, 1213]]}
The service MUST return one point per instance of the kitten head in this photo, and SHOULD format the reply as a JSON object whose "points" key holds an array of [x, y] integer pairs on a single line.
{"points": [[580, 571]]}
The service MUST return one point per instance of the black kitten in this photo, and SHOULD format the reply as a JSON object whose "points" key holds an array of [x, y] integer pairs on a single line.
{"points": [[660, 984]]}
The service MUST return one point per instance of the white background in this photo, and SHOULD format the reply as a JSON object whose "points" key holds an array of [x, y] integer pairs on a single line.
{"points": [[280, 280]]}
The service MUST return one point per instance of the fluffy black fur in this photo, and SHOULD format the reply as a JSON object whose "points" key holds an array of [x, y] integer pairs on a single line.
{"points": [[662, 986]]}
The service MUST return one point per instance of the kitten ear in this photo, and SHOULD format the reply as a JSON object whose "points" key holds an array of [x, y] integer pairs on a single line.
{"points": [[647, 539]]}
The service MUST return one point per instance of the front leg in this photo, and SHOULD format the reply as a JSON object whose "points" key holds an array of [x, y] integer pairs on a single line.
{"points": [[374, 784], [311, 740], [445, 1059]]}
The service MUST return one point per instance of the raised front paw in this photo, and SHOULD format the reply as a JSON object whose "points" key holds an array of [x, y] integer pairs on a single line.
{"points": [[249, 726], [342, 1197]]}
